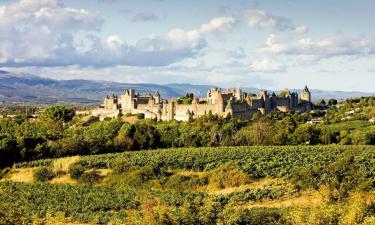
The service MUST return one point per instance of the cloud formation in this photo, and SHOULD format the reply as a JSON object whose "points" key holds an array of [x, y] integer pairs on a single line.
{"points": [[317, 49], [263, 20], [145, 16], [267, 65], [43, 33]]}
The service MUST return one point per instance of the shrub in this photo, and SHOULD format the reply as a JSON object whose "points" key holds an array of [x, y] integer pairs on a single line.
{"points": [[180, 182], [42, 174], [227, 175], [140, 116], [4, 172], [76, 171], [264, 216], [121, 166], [90, 177]]}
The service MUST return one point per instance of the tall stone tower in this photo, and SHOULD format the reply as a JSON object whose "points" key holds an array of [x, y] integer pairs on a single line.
{"points": [[306, 95]]}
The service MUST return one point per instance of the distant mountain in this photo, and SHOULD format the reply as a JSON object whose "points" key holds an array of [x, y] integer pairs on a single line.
{"points": [[30, 88], [21, 88]]}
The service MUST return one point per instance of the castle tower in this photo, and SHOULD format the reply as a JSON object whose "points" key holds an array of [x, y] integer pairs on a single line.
{"points": [[266, 100], [306, 95], [126, 100], [220, 103], [212, 95], [110, 102], [229, 109], [157, 98], [171, 109]]}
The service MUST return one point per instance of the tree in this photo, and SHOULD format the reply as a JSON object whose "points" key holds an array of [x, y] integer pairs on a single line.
{"points": [[262, 133], [56, 117], [306, 134], [332, 102]]}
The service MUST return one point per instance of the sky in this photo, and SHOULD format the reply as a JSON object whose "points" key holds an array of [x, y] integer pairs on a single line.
{"points": [[270, 44]]}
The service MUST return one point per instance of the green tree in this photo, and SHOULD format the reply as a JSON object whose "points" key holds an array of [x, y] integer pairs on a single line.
{"points": [[55, 118]]}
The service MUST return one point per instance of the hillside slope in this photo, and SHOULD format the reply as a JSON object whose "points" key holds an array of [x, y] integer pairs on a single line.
{"points": [[22, 87]]}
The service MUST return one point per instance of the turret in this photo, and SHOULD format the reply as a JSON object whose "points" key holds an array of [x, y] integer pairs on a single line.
{"points": [[220, 103], [306, 95], [229, 108]]}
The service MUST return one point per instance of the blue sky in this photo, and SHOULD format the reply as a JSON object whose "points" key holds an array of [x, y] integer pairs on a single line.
{"points": [[266, 43]]}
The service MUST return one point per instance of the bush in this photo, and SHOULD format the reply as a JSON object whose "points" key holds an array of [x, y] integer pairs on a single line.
{"points": [[42, 174], [121, 166], [183, 183], [140, 116], [4, 172], [90, 177], [227, 175], [76, 171]]}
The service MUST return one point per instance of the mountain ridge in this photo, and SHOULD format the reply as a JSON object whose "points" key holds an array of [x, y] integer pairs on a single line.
{"points": [[24, 87]]}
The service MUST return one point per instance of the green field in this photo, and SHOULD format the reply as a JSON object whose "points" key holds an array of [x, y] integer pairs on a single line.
{"points": [[226, 185]]}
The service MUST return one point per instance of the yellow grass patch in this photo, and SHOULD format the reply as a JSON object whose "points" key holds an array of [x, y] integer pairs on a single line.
{"points": [[65, 179], [129, 119], [62, 165], [102, 172], [189, 173], [20, 175], [306, 199]]}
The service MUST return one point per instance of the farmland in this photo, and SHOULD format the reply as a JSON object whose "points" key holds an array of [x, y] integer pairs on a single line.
{"points": [[224, 185]]}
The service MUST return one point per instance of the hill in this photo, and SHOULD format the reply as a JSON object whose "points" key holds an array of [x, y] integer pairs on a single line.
{"points": [[231, 185], [23, 87]]}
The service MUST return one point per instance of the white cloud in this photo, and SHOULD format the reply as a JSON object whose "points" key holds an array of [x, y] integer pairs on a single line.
{"points": [[219, 25], [44, 33], [238, 53], [263, 20], [301, 29], [316, 49], [267, 65]]}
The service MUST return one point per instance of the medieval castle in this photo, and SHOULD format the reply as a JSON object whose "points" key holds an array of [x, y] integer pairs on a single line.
{"points": [[232, 102]]}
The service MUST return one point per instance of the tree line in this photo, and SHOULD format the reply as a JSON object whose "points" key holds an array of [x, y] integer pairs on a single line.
{"points": [[58, 132]]}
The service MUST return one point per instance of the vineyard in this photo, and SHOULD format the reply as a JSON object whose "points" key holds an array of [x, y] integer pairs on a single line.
{"points": [[260, 161], [223, 185]]}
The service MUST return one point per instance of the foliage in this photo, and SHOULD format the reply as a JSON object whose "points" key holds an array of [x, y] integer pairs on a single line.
{"points": [[227, 175], [42, 174], [90, 177], [76, 171], [81, 202]]}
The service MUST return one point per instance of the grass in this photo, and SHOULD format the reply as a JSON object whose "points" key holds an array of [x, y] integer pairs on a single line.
{"points": [[24, 175], [259, 183], [306, 199], [62, 165]]}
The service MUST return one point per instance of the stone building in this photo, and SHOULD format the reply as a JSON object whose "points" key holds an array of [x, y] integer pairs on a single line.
{"points": [[232, 102]]}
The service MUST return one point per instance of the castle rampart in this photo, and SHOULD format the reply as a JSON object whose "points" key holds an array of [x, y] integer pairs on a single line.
{"points": [[232, 102]]}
